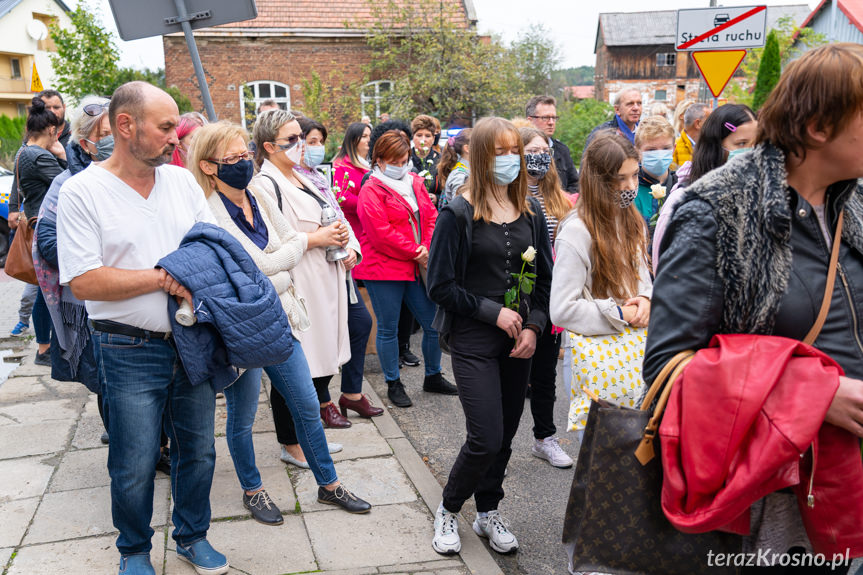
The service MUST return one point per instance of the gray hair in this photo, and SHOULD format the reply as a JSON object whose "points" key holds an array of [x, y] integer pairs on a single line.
{"points": [[694, 112], [618, 98], [83, 123], [196, 117], [267, 127]]}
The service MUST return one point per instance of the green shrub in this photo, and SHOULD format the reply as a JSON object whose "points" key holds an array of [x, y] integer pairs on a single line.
{"points": [[577, 119]]}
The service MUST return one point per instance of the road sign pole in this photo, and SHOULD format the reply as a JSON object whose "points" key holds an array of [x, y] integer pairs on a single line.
{"points": [[183, 19]]}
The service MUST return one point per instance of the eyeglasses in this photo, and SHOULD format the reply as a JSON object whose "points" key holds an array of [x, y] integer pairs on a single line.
{"points": [[96, 109], [537, 151], [233, 159], [292, 141], [546, 118]]}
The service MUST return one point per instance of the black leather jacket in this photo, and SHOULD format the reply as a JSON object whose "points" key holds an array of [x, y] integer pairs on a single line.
{"points": [[745, 253]]}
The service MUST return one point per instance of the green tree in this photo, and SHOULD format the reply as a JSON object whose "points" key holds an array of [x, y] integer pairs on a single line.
{"points": [[577, 119], [581, 76], [538, 56], [768, 72], [86, 58]]}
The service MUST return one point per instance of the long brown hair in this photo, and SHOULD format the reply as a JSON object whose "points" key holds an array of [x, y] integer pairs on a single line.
{"points": [[556, 201], [482, 157], [619, 236], [451, 153]]}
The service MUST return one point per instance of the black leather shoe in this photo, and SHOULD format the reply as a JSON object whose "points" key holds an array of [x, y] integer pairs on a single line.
{"points": [[437, 384], [344, 499], [104, 439], [397, 395], [262, 507], [407, 357], [164, 462]]}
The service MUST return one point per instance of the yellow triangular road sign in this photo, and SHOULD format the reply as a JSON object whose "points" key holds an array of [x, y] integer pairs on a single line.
{"points": [[35, 81], [717, 67]]}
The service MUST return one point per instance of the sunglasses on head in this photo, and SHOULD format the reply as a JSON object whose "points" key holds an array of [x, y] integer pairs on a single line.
{"points": [[96, 109]]}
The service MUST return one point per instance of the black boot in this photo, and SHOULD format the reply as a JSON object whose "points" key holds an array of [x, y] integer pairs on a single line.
{"points": [[437, 384], [397, 395]]}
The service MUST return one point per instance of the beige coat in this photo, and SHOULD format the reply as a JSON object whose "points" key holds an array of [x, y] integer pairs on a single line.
{"points": [[326, 343]]}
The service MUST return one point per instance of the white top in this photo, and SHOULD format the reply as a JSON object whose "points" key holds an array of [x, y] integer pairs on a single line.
{"points": [[101, 221]]}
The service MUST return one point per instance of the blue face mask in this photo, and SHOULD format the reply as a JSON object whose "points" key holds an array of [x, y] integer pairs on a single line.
{"points": [[737, 152], [104, 147], [314, 155], [506, 168], [237, 175], [656, 162]]}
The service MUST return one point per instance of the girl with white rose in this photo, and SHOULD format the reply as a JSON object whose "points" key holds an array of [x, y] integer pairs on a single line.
{"points": [[489, 272]]}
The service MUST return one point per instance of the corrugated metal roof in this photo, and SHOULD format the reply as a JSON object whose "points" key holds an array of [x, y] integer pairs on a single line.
{"points": [[852, 9], [660, 27]]}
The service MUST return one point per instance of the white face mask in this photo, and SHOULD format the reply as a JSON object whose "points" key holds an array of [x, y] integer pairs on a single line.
{"points": [[295, 152], [396, 172]]}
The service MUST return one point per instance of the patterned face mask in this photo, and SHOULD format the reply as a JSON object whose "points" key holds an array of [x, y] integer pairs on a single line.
{"points": [[537, 164], [624, 198]]}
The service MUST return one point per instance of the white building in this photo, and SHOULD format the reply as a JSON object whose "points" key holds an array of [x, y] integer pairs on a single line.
{"points": [[24, 41]]}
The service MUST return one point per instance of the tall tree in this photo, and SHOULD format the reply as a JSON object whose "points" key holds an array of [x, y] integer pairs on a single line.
{"points": [[537, 57], [86, 58], [768, 72]]}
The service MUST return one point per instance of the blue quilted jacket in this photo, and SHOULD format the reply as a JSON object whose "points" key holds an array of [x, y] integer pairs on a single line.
{"points": [[241, 322]]}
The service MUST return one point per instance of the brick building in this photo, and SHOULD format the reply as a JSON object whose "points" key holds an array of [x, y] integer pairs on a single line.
{"points": [[637, 49], [274, 53]]}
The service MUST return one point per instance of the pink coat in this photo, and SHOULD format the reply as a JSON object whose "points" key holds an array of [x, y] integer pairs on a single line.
{"points": [[351, 194], [389, 247]]}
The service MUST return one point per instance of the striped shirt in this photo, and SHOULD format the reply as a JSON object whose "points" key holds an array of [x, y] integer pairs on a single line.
{"points": [[550, 220]]}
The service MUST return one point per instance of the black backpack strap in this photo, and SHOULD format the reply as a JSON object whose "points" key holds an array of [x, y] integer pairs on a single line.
{"points": [[278, 191]]}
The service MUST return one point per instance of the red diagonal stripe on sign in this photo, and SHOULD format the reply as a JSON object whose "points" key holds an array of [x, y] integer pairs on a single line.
{"points": [[718, 29]]}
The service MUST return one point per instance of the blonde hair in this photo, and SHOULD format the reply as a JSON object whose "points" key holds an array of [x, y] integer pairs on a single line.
{"points": [[210, 141], [520, 123], [681, 108], [653, 127], [482, 158]]}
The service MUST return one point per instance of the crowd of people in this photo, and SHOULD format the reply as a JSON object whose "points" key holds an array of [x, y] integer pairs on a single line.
{"points": [[493, 244]]}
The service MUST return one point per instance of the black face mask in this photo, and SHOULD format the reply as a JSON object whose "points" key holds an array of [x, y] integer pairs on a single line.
{"points": [[436, 139], [237, 175]]}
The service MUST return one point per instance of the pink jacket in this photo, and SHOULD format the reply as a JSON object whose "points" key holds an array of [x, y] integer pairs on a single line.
{"points": [[351, 194], [389, 247]]}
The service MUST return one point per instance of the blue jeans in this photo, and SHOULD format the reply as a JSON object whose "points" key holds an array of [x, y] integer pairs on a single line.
{"points": [[241, 399], [41, 319], [144, 379], [293, 380], [387, 297]]}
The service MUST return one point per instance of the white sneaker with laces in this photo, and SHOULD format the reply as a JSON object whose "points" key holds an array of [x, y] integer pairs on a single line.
{"points": [[550, 450], [446, 538], [495, 528]]}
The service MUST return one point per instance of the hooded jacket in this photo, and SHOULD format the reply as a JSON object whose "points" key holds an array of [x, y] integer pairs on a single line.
{"points": [[240, 323], [738, 423]]}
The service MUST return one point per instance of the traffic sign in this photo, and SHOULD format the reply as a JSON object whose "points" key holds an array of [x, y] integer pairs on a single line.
{"points": [[717, 67], [724, 28], [35, 81]]}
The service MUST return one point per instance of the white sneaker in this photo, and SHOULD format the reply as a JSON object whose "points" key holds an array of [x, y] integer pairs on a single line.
{"points": [[495, 528], [550, 450], [446, 538]]}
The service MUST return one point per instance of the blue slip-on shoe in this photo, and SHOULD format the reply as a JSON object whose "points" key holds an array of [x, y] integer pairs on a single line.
{"points": [[138, 564], [19, 329], [202, 556]]}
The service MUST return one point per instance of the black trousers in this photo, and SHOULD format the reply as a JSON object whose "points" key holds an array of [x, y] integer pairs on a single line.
{"points": [[407, 325], [286, 432], [491, 388], [543, 376]]}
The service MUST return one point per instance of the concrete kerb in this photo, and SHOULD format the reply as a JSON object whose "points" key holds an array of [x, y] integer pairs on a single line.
{"points": [[474, 553]]}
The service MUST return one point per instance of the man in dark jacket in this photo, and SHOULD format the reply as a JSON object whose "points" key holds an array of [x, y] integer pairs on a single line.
{"points": [[542, 111], [627, 114]]}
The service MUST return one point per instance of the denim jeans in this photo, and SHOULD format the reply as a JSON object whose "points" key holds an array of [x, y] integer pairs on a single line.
{"points": [[28, 298], [144, 379], [42, 324], [241, 399], [293, 380], [387, 297]]}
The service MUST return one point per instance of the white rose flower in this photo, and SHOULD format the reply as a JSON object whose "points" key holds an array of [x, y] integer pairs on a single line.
{"points": [[529, 254], [657, 191]]}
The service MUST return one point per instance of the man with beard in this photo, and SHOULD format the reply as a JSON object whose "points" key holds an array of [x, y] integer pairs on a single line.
{"points": [[115, 221]]}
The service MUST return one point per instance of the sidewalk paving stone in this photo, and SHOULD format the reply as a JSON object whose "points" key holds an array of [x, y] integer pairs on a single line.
{"points": [[266, 452], [34, 438], [226, 495], [388, 535], [255, 548], [85, 512], [432, 566], [81, 469], [88, 434], [359, 440], [25, 478], [380, 481], [20, 389], [5, 554], [39, 411], [16, 517], [79, 557]]}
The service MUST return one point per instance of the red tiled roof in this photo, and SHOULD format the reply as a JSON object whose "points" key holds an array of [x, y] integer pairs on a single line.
{"points": [[853, 9], [317, 15], [581, 92]]}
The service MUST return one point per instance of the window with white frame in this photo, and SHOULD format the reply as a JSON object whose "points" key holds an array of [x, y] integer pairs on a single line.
{"points": [[374, 98], [254, 94]]}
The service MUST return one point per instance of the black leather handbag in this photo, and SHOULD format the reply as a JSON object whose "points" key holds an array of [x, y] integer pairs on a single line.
{"points": [[614, 515]]}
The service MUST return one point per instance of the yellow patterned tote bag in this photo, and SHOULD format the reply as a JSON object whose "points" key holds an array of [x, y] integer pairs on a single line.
{"points": [[610, 367]]}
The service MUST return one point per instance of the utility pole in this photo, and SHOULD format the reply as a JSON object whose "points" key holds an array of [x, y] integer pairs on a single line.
{"points": [[833, 10]]}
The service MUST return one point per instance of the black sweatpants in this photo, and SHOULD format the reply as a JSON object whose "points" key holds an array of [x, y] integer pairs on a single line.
{"points": [[491, 387], [543, 376]]}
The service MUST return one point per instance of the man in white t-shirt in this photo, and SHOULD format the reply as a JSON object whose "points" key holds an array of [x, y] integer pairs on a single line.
{"points": [[115, 221]]}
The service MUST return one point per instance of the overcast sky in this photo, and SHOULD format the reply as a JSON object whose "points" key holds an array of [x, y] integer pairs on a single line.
{"points": [[571, 22]]}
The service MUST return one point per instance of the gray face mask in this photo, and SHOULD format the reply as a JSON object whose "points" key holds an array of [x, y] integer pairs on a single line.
{"points": [[624, 198], [104, 148]]}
